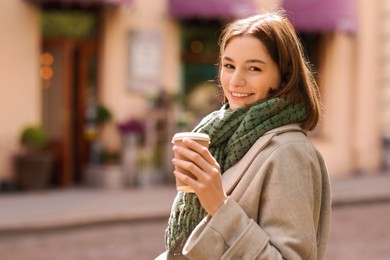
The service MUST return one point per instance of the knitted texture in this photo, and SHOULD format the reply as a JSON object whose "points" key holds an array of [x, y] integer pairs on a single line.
{"points": [[232, 134]]}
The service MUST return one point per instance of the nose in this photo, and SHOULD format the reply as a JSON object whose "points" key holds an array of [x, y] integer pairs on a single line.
{"points": [[237, 79]]}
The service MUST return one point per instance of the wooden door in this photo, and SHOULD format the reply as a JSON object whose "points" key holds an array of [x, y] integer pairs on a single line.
{"points": [[64, 101]]}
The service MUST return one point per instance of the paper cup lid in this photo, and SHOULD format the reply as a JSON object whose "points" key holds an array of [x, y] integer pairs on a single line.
{"points": [[191, 135]]}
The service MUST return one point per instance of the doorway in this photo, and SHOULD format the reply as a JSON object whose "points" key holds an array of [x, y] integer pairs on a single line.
{"points": [[69, 77]]}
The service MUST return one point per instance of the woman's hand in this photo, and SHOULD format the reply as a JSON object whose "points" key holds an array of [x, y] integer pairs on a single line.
{"points": [[208, 183]]}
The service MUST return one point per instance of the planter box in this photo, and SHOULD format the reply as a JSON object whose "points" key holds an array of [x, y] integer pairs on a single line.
{"points": [[33, 171], [105, 176]]}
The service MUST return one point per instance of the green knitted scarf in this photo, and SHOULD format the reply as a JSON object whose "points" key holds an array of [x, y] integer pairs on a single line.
{"points": [[232, 133]]}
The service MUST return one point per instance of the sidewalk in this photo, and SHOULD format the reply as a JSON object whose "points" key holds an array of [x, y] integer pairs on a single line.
{"points": [[84, 206], [361, 189]]}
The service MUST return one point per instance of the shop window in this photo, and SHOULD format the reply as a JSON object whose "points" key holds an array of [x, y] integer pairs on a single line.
{"points": [[199, 53]]}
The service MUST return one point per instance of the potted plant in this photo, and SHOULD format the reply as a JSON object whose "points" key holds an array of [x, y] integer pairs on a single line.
{"points": [[33, 165], [104, 169], [104, 115]]}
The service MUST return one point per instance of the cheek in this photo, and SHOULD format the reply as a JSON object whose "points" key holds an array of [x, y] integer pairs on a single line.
{"points": [[224, 81], [277, 81], [276, 78]]}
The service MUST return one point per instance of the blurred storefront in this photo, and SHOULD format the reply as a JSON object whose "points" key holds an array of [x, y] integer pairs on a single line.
{"points": [[150, 67], [385, 81]]}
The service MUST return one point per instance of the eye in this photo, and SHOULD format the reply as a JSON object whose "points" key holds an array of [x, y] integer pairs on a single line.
{"points": [[253, 68], [228, 66]]}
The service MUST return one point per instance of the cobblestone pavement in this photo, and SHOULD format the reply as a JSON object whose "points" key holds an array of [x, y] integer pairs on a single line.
{"points": [[359, 231], [136, 240]]}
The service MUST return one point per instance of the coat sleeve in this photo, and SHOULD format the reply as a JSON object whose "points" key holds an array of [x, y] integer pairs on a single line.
{"points": [[287, 221]]}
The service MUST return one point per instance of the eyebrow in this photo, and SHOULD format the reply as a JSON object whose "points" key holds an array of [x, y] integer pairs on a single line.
{"points": [[248, 61]]}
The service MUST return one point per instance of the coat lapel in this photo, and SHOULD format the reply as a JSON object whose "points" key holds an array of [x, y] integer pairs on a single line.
{"points": [[233, 175]]}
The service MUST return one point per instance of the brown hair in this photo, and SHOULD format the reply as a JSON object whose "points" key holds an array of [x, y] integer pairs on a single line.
{"points": [[282, 43]]}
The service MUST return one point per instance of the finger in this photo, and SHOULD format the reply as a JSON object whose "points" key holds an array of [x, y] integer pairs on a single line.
{"points": [[191, 155], [205, 168], [209, 167], [190, 167], [194, 184], [200, 149]]}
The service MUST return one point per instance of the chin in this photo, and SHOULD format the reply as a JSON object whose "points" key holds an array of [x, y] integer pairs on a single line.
{"points": [[236, 106]]}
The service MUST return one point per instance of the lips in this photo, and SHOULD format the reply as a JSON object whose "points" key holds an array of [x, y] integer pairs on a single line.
{"points": [[240, 95]]}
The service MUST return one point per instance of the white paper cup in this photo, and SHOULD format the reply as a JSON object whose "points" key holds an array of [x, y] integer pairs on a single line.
{"points": [[177, 139]]}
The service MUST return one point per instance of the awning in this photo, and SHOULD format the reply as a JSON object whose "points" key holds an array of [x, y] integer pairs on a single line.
{"points": [[322, 15], [80, 2], [217, 9]]}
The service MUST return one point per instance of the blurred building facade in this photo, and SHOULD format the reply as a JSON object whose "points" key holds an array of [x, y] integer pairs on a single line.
{"points": [[384, 36], [130, 54]]}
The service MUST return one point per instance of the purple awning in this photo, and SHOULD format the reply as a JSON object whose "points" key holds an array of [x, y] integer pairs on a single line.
{"points": [[322, 15], [306, 15], [219, 9], [79, 2]]}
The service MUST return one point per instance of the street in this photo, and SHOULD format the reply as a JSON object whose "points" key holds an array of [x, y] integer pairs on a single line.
{"points": [[135, 240], [360, 231]]}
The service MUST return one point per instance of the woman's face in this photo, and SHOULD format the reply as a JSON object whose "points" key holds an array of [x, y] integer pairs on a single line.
{"points": [[247, 71]]}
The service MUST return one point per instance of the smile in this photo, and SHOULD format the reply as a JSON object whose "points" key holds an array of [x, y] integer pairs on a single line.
{"points": [[235, 94]]}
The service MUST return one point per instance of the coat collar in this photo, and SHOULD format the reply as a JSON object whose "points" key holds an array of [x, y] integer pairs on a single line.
{"points": [[286, 128], [233, 175]]}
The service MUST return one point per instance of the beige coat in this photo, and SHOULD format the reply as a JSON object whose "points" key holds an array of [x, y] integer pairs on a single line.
{"points": [[279, 204]]}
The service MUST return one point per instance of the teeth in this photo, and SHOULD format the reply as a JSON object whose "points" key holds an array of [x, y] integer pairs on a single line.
{"points": [[240, 94]]}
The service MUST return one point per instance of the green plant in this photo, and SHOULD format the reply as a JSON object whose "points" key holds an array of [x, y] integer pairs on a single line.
{"points": [[104, 115], [34, 164], [34, 138]]}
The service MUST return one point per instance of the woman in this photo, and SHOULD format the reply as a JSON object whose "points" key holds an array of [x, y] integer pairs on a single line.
{"points": [[261, 189]]}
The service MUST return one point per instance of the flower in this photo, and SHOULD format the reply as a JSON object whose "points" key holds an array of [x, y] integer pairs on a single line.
{"points": [[132, 126]]}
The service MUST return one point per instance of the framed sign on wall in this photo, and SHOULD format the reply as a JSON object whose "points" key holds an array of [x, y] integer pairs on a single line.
{"points": [[145, 61]]}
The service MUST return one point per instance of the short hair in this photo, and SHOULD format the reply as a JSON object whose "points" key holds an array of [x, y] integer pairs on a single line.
{"points": [[279, 37]]}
